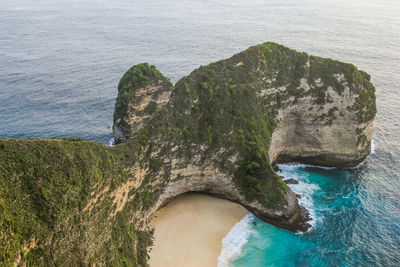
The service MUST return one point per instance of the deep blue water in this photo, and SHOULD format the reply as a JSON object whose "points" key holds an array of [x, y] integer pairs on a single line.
{"points": [[60, 63]]}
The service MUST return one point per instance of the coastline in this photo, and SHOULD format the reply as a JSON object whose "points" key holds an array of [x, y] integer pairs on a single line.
{"points": [[189, 230]]}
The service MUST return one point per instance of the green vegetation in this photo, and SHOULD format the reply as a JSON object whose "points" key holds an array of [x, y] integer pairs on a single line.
{"points": [[44, 187], [255, 175], [285, 67]]}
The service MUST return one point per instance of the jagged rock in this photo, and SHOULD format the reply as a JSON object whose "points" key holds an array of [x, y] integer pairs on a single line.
{"points": [[276, 168], [291, 181]]}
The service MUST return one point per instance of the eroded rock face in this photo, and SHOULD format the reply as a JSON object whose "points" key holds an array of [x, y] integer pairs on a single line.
{"points": [[208, 179], [326, 135]]}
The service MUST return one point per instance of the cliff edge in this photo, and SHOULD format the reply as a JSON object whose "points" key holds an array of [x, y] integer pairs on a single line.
{"points": [[219, 130]]}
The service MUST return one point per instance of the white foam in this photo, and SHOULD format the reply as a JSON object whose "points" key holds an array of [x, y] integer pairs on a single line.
{"points": [[372, 146], [293, 166], [111, 142], [234, 241], [304, 188], [306, 191]]}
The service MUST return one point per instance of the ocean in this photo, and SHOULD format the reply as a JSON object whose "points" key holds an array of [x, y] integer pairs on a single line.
{"points": [[60, 63]]}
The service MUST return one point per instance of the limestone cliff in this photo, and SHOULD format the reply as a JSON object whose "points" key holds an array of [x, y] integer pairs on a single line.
{"points": [[333, 129], [218, 130]]}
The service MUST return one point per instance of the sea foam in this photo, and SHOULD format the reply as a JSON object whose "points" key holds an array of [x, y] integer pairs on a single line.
{"points": [[372, 146], [306, 191], [111, 142], [305, 188], [234, 241], [295, 166]]}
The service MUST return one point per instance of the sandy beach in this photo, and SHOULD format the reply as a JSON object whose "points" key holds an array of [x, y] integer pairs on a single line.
{"points": [[189, 230]]}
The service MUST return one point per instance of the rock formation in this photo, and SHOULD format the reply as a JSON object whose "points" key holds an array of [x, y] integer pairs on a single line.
{"points": [[328, 134], [141, 91], [219, 130]]}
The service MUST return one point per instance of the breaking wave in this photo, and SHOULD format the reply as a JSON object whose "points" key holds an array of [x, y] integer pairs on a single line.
{"points": [[111, 142], [372, 146], [234, 241]]}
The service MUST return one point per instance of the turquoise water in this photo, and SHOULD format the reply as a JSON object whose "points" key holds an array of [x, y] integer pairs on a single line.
{"points": [[61, 60], [354, 223]]}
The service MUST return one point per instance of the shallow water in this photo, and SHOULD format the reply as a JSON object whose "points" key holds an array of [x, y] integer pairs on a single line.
{"points": [[60, 63]]}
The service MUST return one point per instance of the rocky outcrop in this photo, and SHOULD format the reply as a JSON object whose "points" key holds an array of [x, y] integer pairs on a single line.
{"points": [[141, 91], [219, 130], [228, 122], [291, 181]]}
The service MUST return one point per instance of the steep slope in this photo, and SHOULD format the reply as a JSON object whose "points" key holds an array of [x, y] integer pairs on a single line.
{"points": [[73, 202]]}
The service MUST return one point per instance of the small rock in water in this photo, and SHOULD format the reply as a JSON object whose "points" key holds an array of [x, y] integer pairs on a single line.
{"points": [[276, 168], [298, 196], [291, 181]]}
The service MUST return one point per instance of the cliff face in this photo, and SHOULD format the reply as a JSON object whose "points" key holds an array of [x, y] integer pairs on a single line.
{"points": [[218, 130], [141, 91], [328, 121], [328, 135]]}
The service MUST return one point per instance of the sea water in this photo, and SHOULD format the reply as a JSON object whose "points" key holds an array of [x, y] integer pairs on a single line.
{"points": [[61, 60], [355, 223]]}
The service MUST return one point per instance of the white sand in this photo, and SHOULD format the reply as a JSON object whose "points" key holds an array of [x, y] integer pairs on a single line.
{"points": [[190, 229]]}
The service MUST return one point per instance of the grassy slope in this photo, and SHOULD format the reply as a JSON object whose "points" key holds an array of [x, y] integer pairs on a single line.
{"points": [[44, 187]]}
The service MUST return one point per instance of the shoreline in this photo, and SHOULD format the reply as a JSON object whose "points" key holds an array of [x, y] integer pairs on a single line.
{"points": [[189, 230]]}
